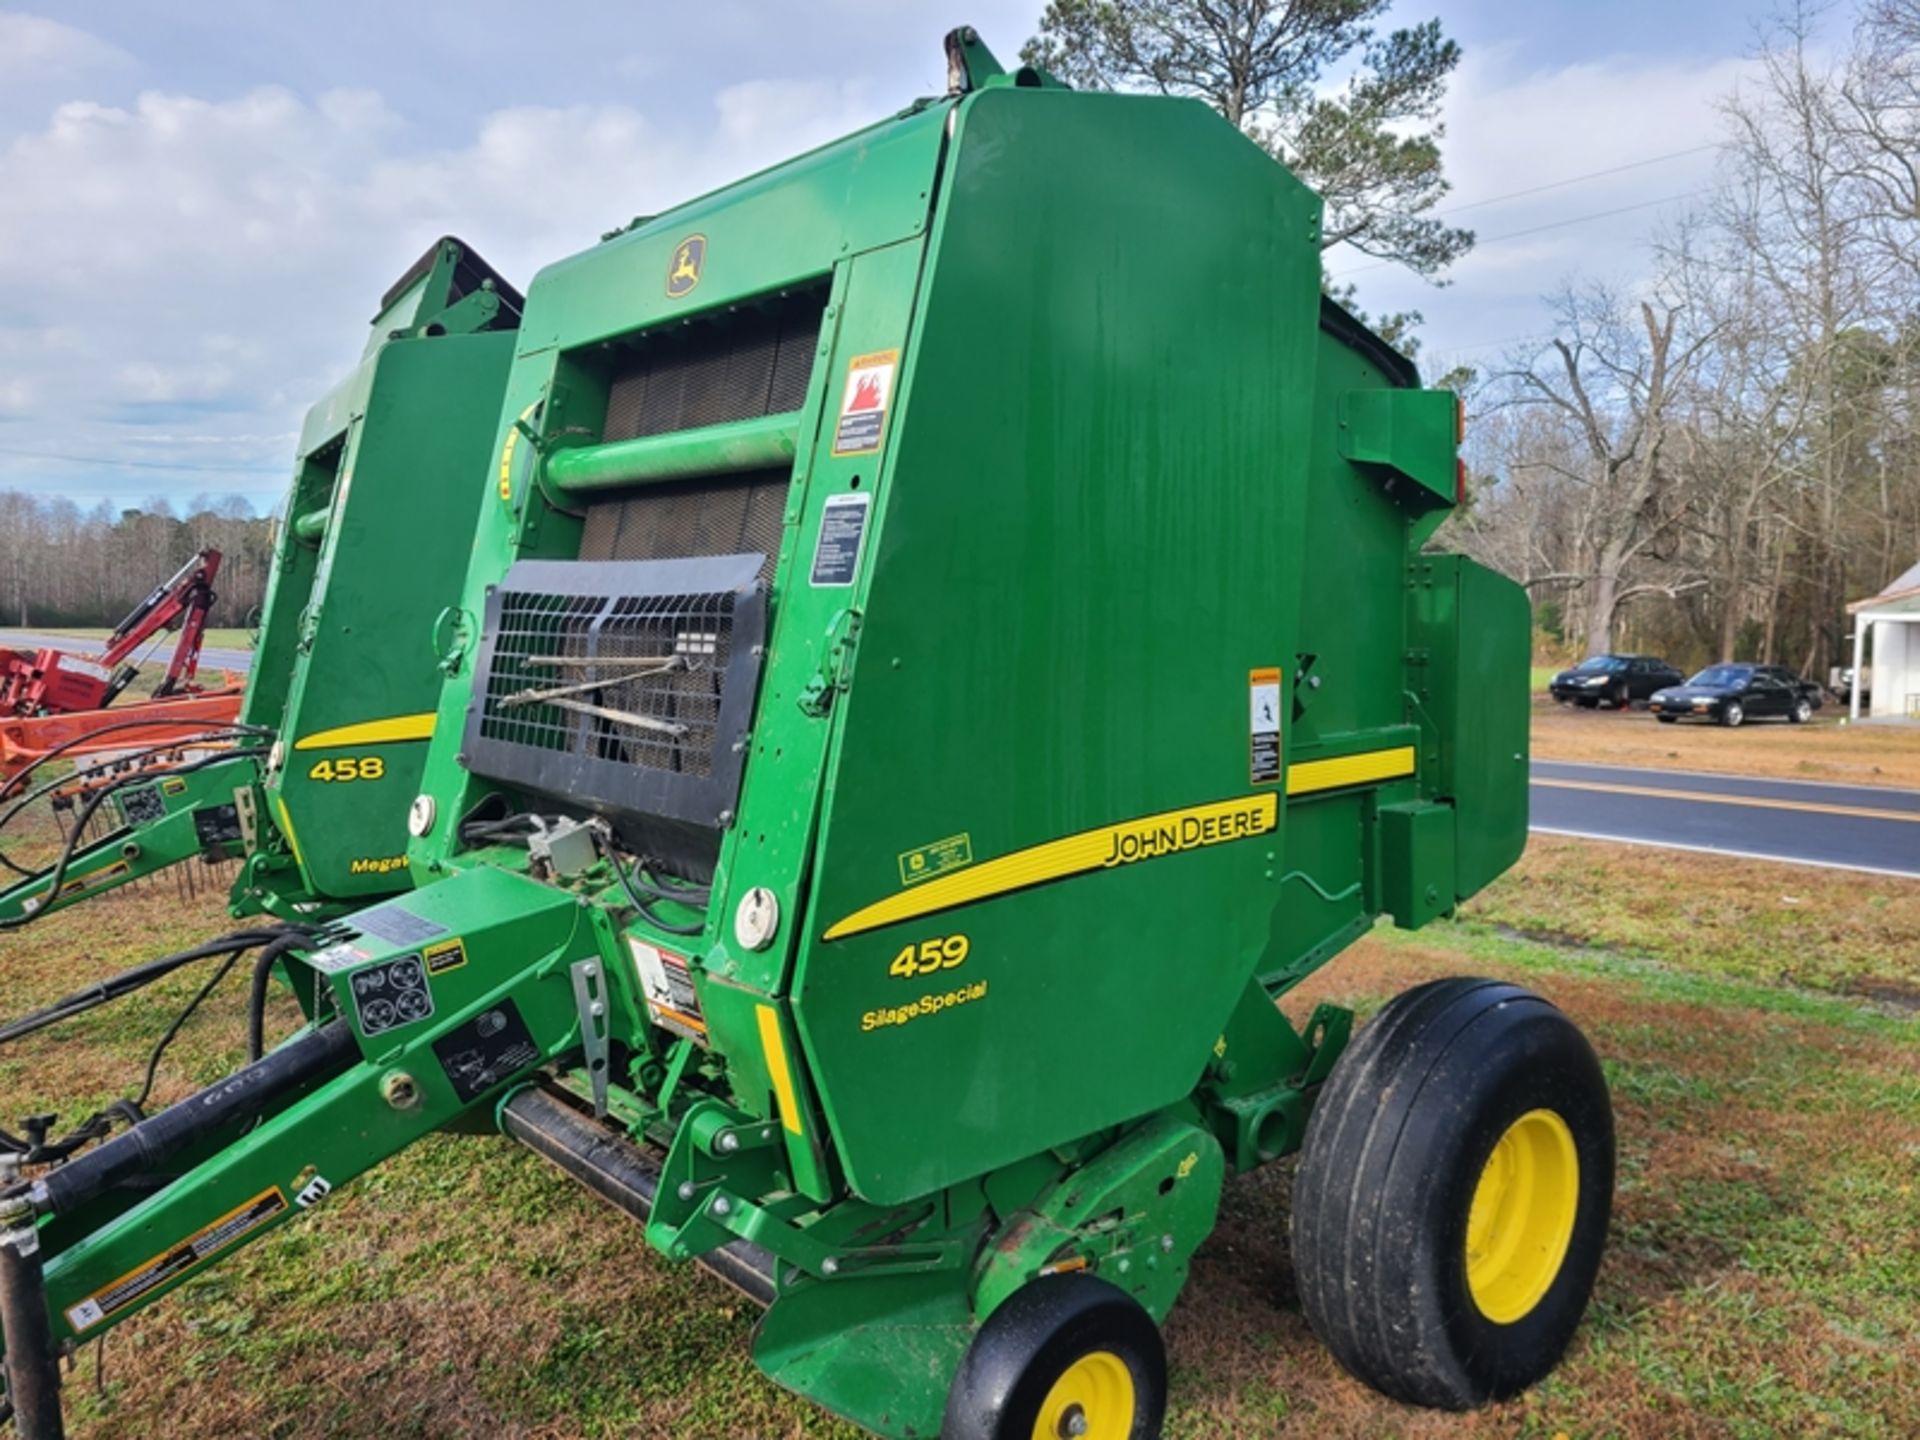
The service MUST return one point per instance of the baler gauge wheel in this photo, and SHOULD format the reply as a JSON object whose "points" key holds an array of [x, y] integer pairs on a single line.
{"points": [[1066, 1357]]}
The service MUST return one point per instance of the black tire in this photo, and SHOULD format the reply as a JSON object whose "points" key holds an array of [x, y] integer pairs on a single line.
{"points": [[1395, 1153], [1733, 714], [1667, 719], [1802, 711], [1030, 1343]]}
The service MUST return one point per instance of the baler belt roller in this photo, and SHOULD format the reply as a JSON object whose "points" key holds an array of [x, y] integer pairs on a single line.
{"points": [[623, 1175]]}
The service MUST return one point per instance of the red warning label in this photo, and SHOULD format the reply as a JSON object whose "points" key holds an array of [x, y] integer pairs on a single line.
{"points": [[864, 403]]}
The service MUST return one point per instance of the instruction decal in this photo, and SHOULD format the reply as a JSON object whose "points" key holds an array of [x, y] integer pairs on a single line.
{"points": [[843, 524], [444, 956], [174, 1262], [1263, 700], [667, 982], [864, 403], [385, 997], [493, 1046], [935, 859], [335, 958], [105, 875], [142, 805], [401, 927]]}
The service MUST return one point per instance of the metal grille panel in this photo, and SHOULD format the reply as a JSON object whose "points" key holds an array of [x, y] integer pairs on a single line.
{"points": [[627, 684], [733, 515], [753, 365]]}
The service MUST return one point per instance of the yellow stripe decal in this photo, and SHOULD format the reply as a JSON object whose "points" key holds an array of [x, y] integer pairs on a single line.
{"points": [[1311, 776], [372, 732], [286, 828], [776, 1053], [1102, 848]]}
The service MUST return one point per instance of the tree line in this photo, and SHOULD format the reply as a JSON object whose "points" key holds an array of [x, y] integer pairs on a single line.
{"points": [[1715, 462], [62, 566], [1712, 461]]}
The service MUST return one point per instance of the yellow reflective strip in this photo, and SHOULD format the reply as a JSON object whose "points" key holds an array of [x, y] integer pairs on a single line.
{"points": [[776, 1053], [1313, 775], [506, 452], [372, 732], [1147, 838], [286, 828]]}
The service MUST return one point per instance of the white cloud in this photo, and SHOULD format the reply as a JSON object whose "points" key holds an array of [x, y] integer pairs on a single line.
{"points": [[32, 45], [1514, 128], [215, 261]]}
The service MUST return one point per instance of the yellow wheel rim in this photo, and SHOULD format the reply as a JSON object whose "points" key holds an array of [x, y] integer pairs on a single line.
{"points": [[1092, 1400], [1522, 1216]]}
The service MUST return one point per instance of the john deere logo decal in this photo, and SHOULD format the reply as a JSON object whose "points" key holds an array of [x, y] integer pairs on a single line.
{"points": [[684, 273]]}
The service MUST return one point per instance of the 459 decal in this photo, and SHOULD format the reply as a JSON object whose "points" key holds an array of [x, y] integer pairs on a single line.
{"points": [[943, 952], [351, 767]]}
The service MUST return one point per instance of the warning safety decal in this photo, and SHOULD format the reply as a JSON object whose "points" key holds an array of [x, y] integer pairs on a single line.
{"points": [[1263, 696], [667, 982], [174, 1262], [863, 405]]}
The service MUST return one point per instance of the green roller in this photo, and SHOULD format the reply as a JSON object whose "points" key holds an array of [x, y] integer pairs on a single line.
{"points": [[877, 868]]}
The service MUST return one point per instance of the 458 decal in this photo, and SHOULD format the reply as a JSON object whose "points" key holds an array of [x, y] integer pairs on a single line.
{"points": [[350, 767], [943, 952]]}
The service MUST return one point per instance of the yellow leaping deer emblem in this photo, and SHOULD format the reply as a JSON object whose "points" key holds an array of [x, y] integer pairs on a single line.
{"points": [[684, 273]]}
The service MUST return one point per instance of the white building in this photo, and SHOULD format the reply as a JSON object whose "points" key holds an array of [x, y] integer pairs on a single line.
{"points": [[1894, 618]]}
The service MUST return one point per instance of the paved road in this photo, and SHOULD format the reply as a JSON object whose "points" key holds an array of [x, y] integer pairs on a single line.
{"points": [[210, 658], [1848, 827]]}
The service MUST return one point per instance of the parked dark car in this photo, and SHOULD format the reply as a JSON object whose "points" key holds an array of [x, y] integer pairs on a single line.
{"points": [[1616, 679], [1734, 694]]}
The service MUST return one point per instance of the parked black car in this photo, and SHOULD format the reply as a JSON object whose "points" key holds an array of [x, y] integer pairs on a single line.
{"points": [[1734, 694], [1617, 679]]}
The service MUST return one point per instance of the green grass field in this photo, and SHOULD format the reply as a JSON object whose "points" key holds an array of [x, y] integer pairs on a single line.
{"points": [[1758, 1026]]}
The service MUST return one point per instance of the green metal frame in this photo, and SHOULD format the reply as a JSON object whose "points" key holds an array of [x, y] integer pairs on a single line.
{"points": [[1137, 480]]}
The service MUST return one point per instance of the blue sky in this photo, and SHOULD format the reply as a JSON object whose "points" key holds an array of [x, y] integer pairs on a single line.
{"points": [[203, 202]]}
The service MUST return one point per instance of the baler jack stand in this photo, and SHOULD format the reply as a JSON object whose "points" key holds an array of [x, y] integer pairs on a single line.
{"points": [[32, 1365]]}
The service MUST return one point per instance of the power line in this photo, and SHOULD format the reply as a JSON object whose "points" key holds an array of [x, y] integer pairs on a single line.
{"points": [[140, 464], [1575, 180], [1539, 229]]}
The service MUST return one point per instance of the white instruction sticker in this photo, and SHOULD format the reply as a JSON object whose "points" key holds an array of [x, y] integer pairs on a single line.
{"points": [[1263, 700]]}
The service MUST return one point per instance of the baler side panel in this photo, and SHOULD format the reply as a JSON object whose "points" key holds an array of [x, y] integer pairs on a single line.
{"points": [[397, 543], [1056, 639], [1346, 689], [1472, 628]]}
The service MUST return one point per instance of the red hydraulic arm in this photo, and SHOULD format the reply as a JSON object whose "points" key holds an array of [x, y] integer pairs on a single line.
{"points": [[55, 682], [190, 594]]}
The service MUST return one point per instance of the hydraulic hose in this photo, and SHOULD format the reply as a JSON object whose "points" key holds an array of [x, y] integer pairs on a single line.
{"points": [[263, 964]]}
